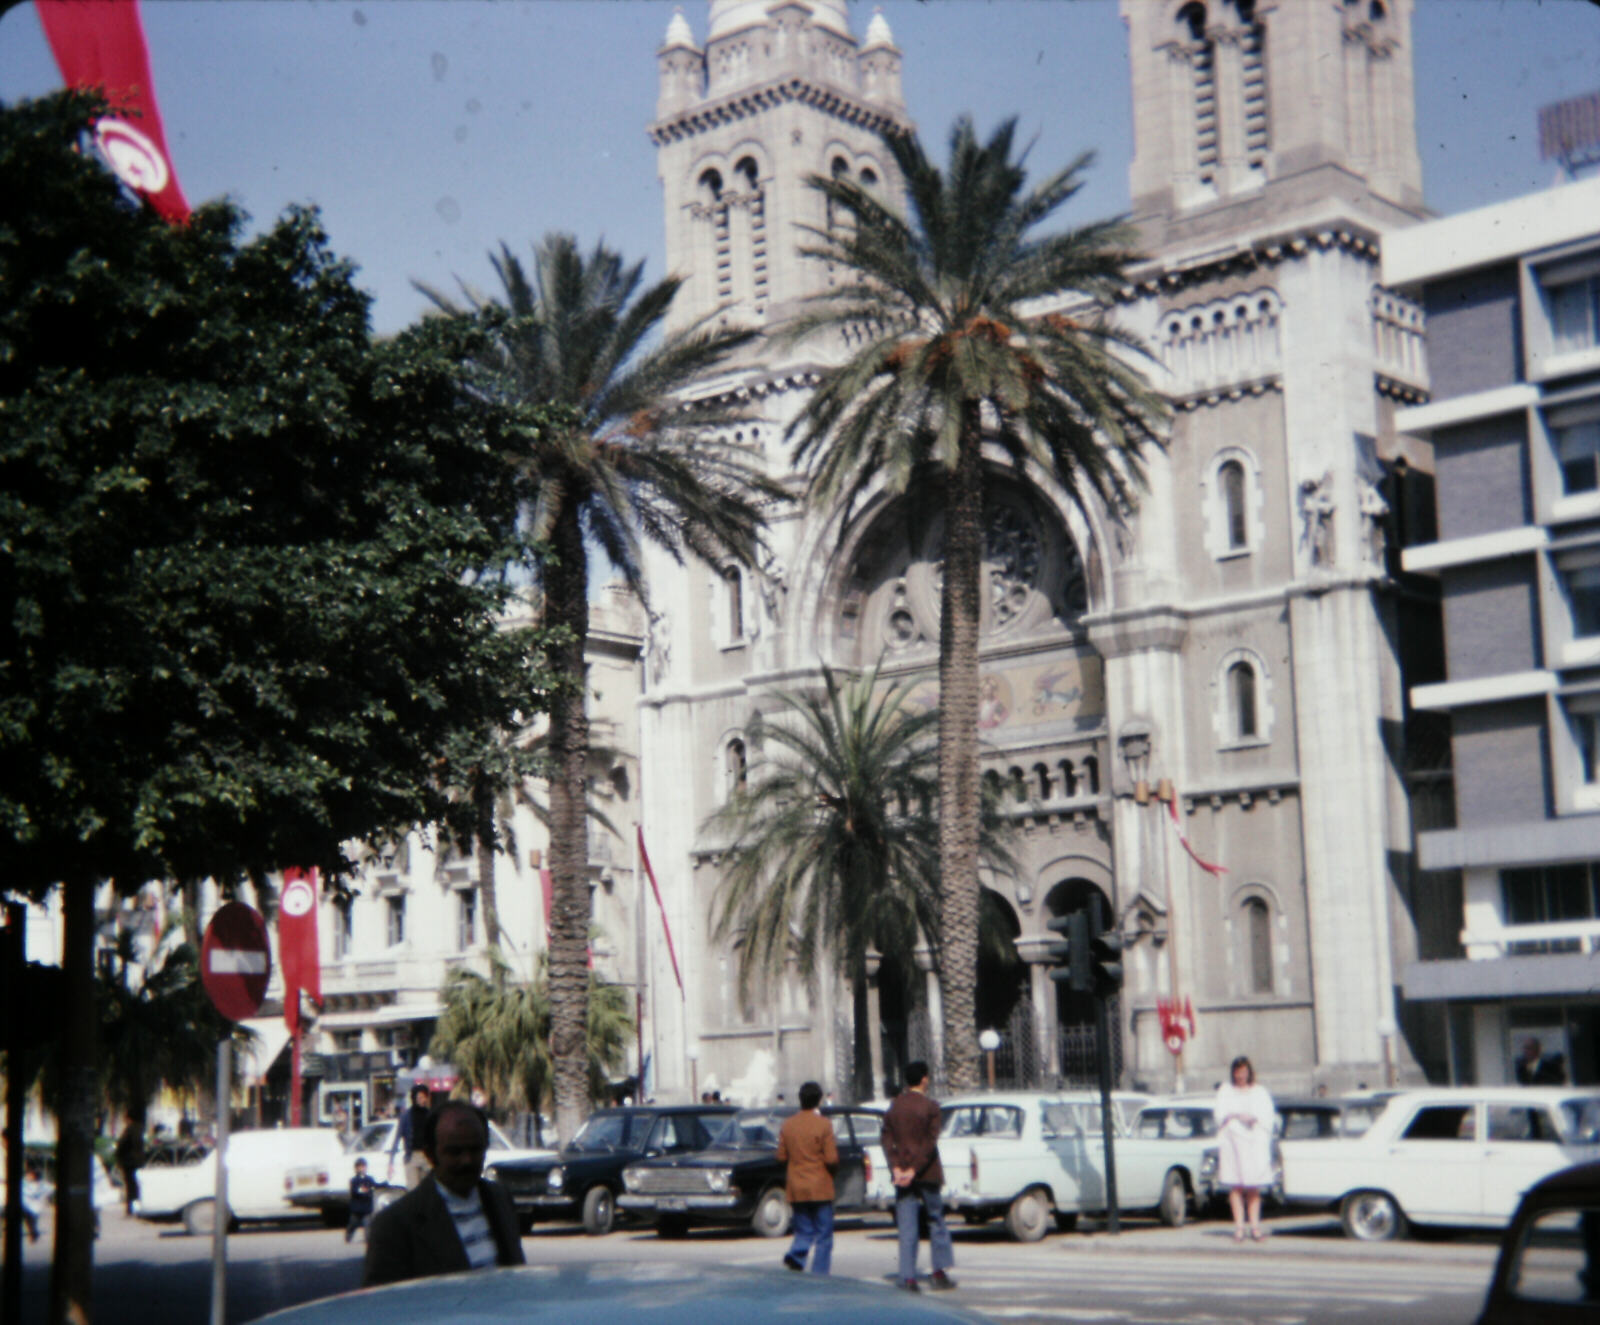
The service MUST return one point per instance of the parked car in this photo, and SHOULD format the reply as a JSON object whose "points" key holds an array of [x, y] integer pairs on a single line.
{"points": [[1029, 1156], [266, 1171], [738, 1179], [583, 1181], [1549, 1266], [687, 1293], [1448, 1156], [375, 1143]]}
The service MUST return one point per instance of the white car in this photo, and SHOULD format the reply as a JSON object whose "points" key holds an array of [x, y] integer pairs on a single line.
{"points": [[1034, 1155], [375, 1143], [1451, 1155], [267, 1170]]}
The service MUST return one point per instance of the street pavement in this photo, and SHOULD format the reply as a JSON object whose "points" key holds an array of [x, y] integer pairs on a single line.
{"points": [[1305, 1274]]}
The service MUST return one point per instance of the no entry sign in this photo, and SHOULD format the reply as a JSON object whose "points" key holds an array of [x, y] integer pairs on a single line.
{"points": [[235, 961]]}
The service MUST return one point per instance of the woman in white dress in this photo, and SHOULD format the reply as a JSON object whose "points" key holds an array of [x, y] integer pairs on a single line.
{"points": [[1245, 1119]]}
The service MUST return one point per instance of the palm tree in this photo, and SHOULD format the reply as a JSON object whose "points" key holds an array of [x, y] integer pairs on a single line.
{"points": [[834, 847], [496, 1032], [953, 355], [621, 460]]}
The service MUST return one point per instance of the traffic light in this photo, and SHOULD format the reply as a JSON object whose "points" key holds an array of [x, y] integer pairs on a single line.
{"points": [[1071, 959], [1105, 954]]}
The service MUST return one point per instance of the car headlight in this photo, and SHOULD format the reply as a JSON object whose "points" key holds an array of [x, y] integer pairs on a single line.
{"points": [[492, 1173], [719, 1180], [630, 1179], [558, 1178]]}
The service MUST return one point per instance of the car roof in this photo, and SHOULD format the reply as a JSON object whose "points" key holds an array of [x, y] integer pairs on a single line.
{"points": [[652, 1110]]}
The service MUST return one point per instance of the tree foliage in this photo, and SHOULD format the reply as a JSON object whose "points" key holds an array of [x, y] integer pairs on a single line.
{"points": [[942, 304]]}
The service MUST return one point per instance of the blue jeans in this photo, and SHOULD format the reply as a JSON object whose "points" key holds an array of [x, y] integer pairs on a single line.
{"points": [[813, 1232], [909, 1203]]}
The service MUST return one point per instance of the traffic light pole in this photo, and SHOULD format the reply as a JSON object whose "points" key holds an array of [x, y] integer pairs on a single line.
{"points": [[1103, 1054]]}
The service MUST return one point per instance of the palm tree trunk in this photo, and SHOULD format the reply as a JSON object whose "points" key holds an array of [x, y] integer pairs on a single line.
{"points": [[567, 604], [484, 835], [73, 1266], [958, 756]]}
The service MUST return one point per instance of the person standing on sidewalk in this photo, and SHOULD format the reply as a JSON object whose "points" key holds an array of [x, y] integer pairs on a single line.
{"points": [[806, 1144], [1244, 1117], [911, 1145], [361, 1189], [408, 1138]]}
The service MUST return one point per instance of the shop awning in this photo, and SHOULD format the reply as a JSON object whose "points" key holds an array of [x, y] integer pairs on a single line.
{"points": [[390, 1015], [271, 1037]]}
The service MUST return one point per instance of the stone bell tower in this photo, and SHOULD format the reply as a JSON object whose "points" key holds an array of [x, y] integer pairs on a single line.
{"points": [[781, 90]]}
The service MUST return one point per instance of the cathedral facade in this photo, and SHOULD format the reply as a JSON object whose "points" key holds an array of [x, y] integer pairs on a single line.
{"points": [[1197, 714]]}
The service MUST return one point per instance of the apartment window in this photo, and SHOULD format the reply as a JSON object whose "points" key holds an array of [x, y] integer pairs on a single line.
{"points": [[396, 928], [466, 918], [343, 929], [1585, 724], [1583, 592], [1545, 895], [1574, 314], [1577, 446]]}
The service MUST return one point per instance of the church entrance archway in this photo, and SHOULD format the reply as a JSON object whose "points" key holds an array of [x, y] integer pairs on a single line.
{"points": [[1075, 1012], [1003, 1004]]}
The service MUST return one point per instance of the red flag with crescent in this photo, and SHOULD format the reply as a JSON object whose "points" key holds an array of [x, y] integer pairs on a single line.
{"points": [[99, 45], [298, 954]]}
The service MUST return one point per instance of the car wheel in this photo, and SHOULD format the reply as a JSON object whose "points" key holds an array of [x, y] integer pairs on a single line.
{"points": [[200, 1218], [1371, 1217], [599, 1211], [771, 1217], [1028, 1217], [672, 1227], [1174, 1207]]}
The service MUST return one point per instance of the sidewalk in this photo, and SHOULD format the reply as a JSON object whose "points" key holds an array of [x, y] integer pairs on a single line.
{"points": [[1291, 1235]]}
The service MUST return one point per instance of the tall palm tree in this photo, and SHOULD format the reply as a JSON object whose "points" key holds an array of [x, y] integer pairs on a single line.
{"points": [[952, 355], [620, 460], [834, 846]]}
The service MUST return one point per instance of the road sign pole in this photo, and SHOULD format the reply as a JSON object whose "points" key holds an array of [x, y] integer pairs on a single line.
{"points": [[219, 1231]]}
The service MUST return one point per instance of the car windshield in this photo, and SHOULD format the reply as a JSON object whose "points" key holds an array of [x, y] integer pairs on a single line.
{"points": [[611, 1131], [1581, 1121], [371, 1137], [753, 1129], [1354, 1119]]}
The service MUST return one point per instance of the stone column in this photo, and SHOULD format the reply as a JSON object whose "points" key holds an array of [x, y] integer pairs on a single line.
{"points": [[925, 964], [1036, 953]]}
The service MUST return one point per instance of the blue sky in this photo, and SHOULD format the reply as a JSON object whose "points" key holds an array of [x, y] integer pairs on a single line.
{"points": [[430, 130]]}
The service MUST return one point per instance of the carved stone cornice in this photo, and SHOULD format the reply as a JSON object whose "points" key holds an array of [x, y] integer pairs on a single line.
{"points": [[1216, 395], [753, 101], [1407, 393], [1273, 251]]}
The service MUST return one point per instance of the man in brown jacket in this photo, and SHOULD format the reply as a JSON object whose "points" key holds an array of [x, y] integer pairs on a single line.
{"points": [[806, 1145], [911, 1145]]}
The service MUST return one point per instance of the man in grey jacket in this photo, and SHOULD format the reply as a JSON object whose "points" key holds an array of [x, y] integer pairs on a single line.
{"points": [[453, 1219]]}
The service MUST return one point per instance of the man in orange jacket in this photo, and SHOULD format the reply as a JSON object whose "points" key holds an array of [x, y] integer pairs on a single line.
{"points": [[807, 1146]]}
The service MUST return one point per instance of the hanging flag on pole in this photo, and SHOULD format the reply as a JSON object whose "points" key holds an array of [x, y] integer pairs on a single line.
{"points": [[1172, 811], [99, 45], [644, 858], [301, 963]]}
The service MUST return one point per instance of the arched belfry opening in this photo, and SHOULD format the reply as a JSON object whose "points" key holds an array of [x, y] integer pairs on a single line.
{"points": [[1075, 1012]]}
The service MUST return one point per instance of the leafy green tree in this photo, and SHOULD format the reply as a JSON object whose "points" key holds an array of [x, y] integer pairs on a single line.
{"points": [[243, 605], [833, 848], [952, 355], [496, 1032], [629, 464]]}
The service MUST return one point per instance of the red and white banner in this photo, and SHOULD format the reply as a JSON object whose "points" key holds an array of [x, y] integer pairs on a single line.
{"points": [[1177, 1022], [1177, 827], [644, 859], [298, 954], [99, 44]]}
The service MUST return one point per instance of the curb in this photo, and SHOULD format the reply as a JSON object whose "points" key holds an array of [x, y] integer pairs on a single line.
{"points": [[1316, 1236]]}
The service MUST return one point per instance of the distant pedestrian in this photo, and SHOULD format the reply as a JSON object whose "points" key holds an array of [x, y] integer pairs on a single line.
{"points": [[407, 1138], [1245, 1117], [361, 1188], [806, 1144], [130, 1157], [911, 1145], [35, 1196]]}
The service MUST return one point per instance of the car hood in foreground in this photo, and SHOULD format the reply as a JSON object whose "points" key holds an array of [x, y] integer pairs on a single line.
{"points": [[601, 1294]]}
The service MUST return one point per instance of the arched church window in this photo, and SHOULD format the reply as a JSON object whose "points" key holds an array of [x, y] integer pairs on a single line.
{"points": [[1242, 692], [1019, 785], [755, 203], [738, 768], [1091, 773], [733, 587], [1256, 922], [1231, 478], [1041, 780], [1069, 778], [1253, 80], [869, 178], [1203, 78], [992, 786], [711, 195]]}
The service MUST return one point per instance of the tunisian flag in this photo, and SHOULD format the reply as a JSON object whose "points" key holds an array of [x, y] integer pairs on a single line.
{"points": [[100, 44], [298, 957]]}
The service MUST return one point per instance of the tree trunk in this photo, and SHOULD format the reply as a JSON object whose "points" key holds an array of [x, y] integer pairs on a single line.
{"points": [[567, 604], [958, 756], [73, 1267], [485, 835]]}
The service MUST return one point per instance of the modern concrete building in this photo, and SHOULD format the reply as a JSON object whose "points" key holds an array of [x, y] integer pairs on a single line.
{"points": [[1244, 638], [1511, 294]]}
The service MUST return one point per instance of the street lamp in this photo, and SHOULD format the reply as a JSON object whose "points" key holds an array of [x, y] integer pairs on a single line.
{"points": [[989, 1041]]}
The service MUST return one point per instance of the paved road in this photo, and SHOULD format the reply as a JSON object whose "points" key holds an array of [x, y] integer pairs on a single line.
{"points": [[1306, 1274]]}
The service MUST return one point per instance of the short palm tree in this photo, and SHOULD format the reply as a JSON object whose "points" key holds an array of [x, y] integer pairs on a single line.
{"points": [[952, 354], [833, 846], [621, 460]]}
